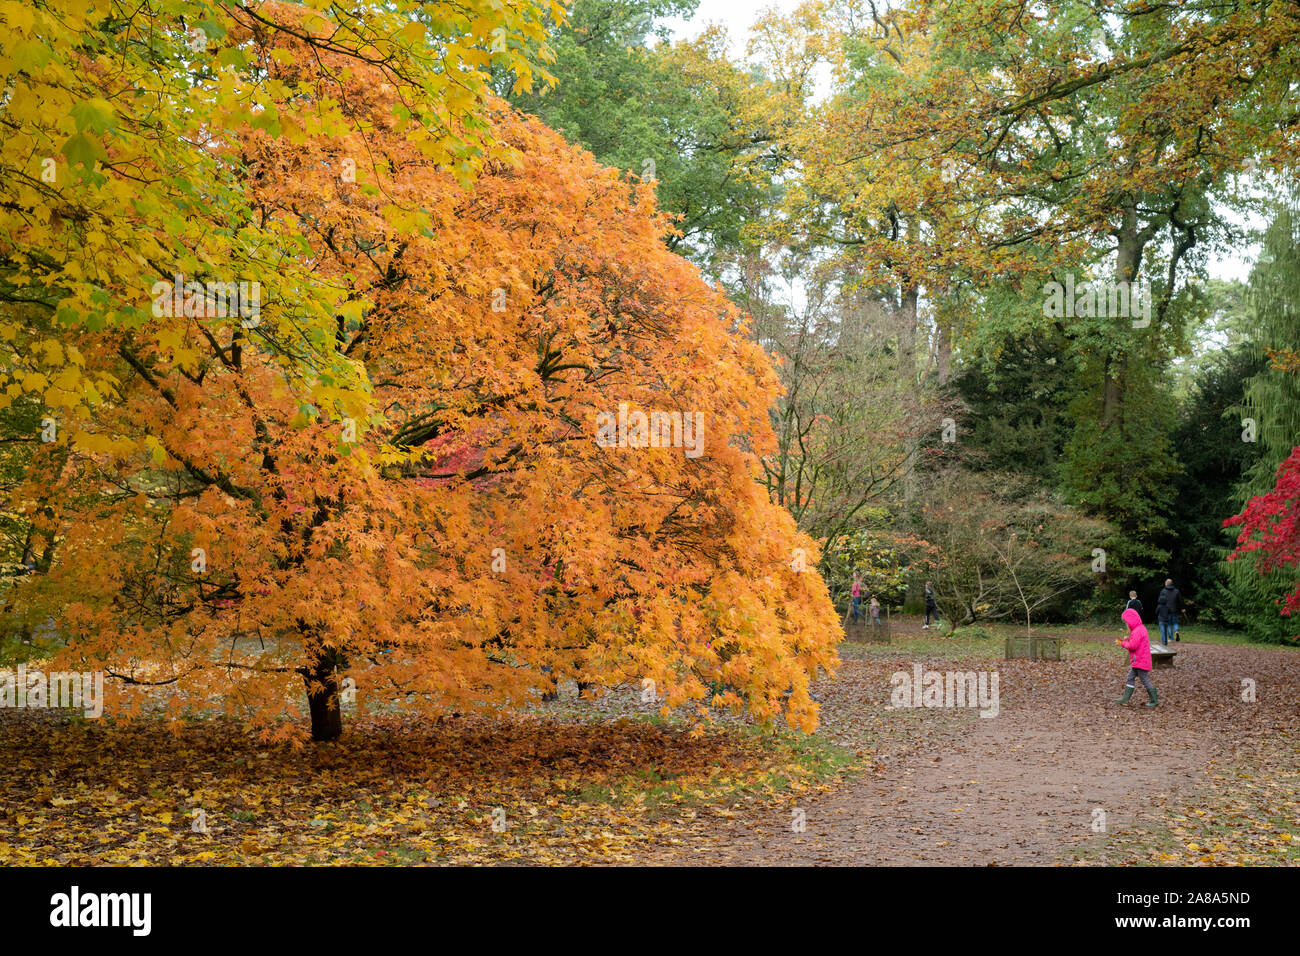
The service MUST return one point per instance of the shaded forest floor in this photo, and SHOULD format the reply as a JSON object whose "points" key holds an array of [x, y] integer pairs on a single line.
{"points": [[1204, 778]]}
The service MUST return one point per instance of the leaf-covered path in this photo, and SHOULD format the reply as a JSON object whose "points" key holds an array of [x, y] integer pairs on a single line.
{"points": [[1029, 785], [1205, 778]]}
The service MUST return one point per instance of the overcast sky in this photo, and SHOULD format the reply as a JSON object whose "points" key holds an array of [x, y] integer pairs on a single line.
{"points": [[736, 15]]}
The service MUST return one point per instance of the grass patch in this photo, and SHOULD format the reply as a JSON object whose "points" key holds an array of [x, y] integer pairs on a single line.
{"points": [[986, 641], [982, 642], [792, 762]]}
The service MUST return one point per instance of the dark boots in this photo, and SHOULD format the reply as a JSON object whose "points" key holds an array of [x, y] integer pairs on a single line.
{"points": [[1153, 699]]}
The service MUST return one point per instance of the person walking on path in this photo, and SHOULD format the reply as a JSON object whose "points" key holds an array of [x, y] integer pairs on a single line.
{"points": [[857, 597], [1168, 605], [875, 612], [1138, 645], [1134, 603], [930, 607]]}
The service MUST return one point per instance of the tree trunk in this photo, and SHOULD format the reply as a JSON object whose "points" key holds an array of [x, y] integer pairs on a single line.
{"points": [[942, 356], [907, 370], [1128, 256], [907, 318], [322, 684]]}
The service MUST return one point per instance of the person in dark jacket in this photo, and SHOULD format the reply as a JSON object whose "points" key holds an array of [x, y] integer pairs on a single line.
{"points": [[1133, 603], [931, 607], [1168, 605]]}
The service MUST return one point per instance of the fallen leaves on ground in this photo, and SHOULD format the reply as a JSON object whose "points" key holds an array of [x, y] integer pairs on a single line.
{"points": [[1247, 814], [467, 790]]}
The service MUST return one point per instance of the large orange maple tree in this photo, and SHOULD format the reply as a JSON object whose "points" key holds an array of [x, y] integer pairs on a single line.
{"points": [[493, 518]]}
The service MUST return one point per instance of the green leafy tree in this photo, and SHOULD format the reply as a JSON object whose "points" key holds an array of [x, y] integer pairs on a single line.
{"points": [[1272, 398], [679, 114], [1272, 403], [1017, 407], [1215, 458], [1123, 468], [881, 555]]}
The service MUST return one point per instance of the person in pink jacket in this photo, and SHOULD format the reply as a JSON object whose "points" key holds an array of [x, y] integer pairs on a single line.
{"points": [[1138, 646]]}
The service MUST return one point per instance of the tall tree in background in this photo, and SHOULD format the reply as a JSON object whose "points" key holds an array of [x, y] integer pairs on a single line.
{"points": [[1209, 438], [845, 418], [1016, 407], [1259, 577], [678, 114], [1272, 399], [986, 146], [867, 207]]}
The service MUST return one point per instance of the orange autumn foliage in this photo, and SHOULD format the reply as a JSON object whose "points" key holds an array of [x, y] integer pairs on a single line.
{"points": [[468, 529]]}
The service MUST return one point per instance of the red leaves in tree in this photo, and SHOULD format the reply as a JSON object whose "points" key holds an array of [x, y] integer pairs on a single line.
{"points": [[1271, 526]]}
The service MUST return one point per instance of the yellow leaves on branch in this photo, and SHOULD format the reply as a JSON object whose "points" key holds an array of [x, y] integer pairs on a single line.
{"points": [[118, 165]]}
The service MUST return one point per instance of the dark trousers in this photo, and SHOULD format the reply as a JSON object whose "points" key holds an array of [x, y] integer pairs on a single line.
{"points": [[1143, 676]]}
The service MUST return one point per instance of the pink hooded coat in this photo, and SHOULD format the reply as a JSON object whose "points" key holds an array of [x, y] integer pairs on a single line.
{"points": [[1138, 644]]}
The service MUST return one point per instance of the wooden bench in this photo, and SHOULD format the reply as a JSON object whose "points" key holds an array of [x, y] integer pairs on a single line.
{"points": [[1162, 656]]}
